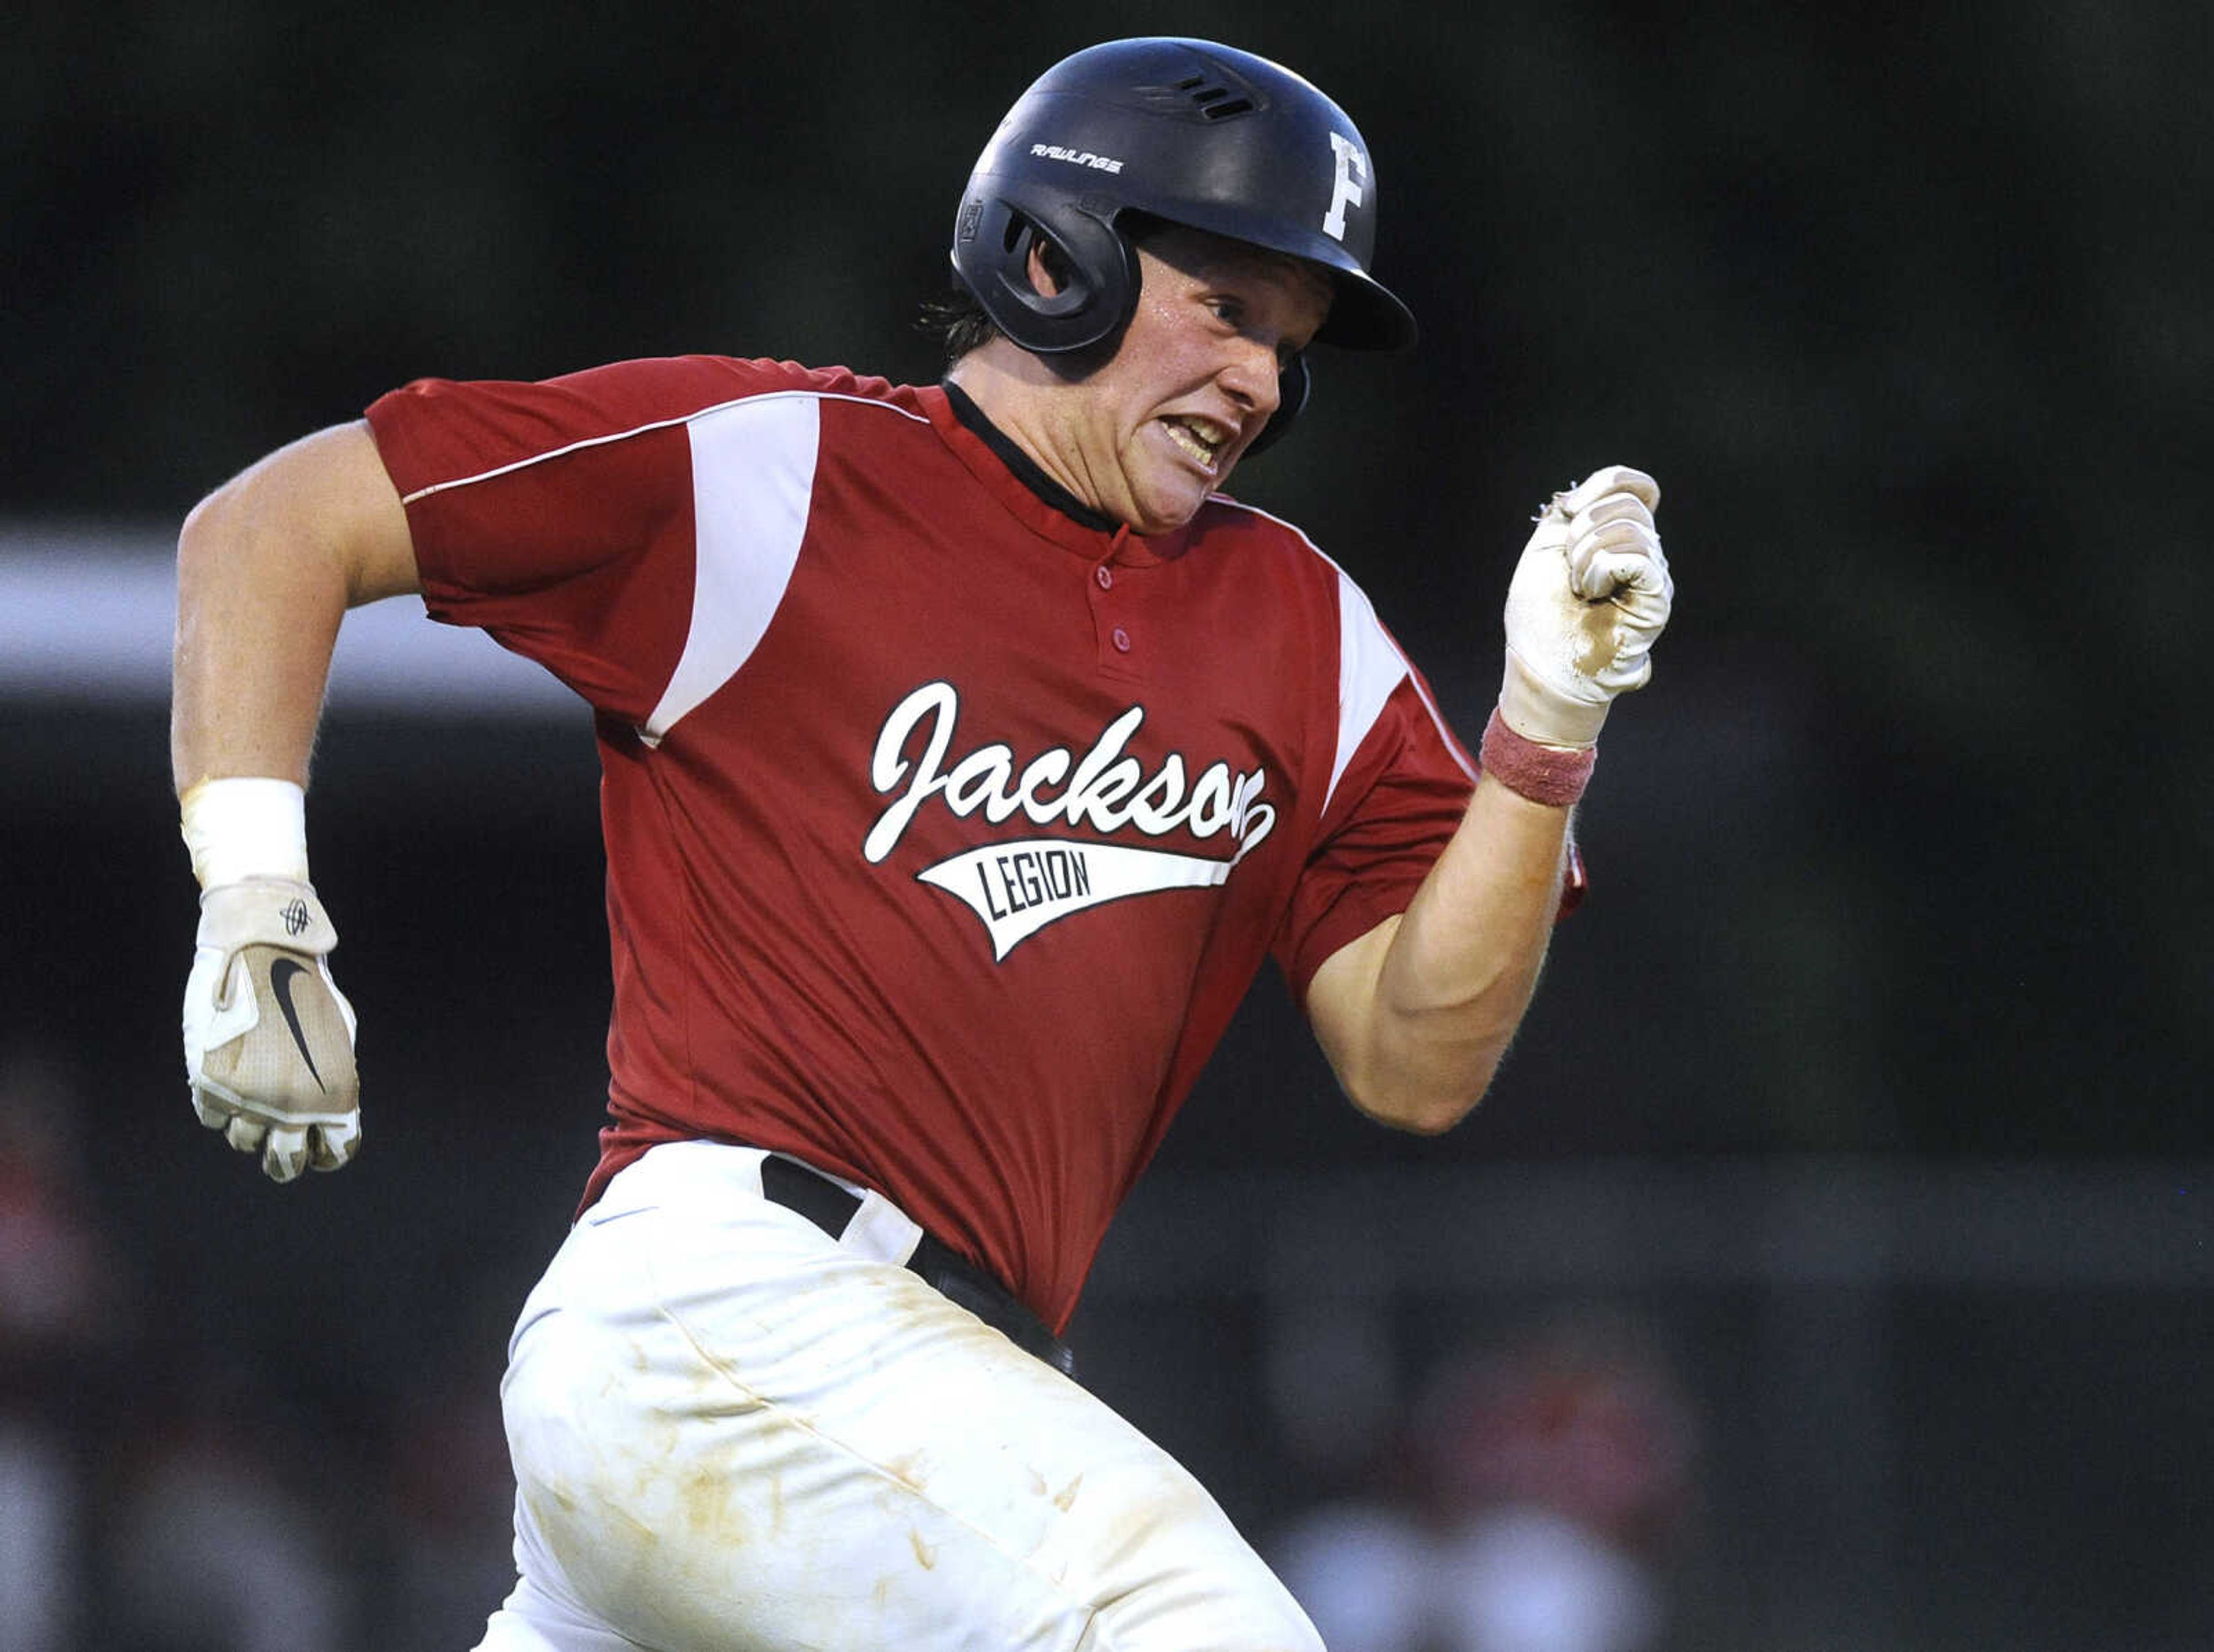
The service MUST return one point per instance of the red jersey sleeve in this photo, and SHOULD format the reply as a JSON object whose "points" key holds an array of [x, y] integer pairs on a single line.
{"points": [[1397, 804], [558, 516]]}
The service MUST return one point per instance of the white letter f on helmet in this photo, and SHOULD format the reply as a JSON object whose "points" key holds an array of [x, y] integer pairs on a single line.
{"points": [[1352, 173]]}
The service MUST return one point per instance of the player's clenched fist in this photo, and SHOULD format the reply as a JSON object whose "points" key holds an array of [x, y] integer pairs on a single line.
{"points": [[1589, 596], [268, 1036]]}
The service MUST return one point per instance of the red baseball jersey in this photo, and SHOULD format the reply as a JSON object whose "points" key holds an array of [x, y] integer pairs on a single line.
{"points": [[944, 829]]}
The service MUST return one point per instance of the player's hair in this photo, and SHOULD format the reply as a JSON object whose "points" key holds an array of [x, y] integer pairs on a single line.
{"points": [[957, 322]]}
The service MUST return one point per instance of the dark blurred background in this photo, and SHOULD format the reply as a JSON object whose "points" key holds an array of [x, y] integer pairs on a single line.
{"points": [[1831, 1261]]}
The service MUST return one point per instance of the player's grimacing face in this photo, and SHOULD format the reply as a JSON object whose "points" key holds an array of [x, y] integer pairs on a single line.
{"points": [[1194, 376]]}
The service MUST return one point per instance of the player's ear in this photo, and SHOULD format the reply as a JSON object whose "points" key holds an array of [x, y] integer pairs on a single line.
{"points": [[1047, 267]]}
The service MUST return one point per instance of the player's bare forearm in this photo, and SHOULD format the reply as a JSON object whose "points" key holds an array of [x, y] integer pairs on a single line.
{"points": [[266, 567], [1416, 1015], [255, 635]]}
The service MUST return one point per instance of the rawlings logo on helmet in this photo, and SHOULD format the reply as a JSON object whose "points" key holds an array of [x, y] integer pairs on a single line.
{"points": [[1082, 158]]}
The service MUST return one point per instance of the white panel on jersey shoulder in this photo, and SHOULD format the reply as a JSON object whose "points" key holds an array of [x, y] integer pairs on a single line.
{"points": [[753, 484], [1369, 663], [1369, 666]]}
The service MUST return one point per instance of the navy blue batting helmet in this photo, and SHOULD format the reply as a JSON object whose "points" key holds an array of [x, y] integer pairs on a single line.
{"points": [[1188, 132]]}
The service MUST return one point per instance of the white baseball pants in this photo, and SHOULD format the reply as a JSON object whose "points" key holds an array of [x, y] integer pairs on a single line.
{"points": [[730, 1431]]}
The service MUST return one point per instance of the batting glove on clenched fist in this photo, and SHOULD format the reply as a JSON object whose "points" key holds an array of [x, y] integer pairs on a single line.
{"points": [[1588, 598], [268, 1036]]}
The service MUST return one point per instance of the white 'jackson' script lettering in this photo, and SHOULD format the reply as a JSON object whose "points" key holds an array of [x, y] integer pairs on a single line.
{"points": [[1103, 788]]}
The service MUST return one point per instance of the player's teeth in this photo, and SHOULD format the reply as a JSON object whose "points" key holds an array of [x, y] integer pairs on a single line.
{"points": [[1193, 441]]}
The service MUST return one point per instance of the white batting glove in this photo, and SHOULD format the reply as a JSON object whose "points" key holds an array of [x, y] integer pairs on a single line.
{"points": [[268, 1036], [1588, 598]]}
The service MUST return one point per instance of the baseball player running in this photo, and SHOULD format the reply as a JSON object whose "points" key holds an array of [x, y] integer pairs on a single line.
{"points": [[967, 751]]}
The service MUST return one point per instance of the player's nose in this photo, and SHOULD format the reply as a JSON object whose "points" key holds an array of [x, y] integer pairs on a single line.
{"points": [[1250, 374]]}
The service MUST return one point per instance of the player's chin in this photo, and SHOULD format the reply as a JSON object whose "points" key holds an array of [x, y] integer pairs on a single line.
{"points": [[1158, 516], [1171, 495]]}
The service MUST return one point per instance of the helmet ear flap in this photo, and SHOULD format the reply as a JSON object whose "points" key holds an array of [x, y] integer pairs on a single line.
{"points": [[1070, 292], [1096, 268]]}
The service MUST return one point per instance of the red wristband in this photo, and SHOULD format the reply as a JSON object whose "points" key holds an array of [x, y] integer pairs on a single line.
{"points": [[1554, 775]]}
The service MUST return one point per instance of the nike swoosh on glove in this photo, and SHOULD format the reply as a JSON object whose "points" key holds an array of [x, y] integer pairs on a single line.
{"points": [[269, 1038]]}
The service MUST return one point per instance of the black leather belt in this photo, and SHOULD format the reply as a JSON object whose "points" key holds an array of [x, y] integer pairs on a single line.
{"points": [[801, 1187]]}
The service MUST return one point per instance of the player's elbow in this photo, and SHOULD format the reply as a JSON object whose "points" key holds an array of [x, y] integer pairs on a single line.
{"points": [[205, 560], [202, 530], [1421, 1102], [1415, 1059], [320, 519], [1422, 1073], [227, 531]]}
